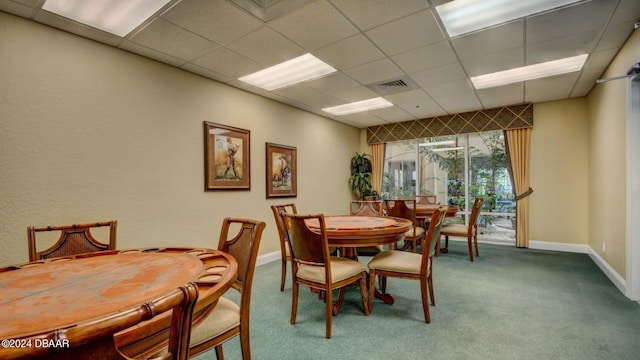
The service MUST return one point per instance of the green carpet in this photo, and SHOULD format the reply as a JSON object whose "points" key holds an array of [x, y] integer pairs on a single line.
{"points": [[508, 304]]}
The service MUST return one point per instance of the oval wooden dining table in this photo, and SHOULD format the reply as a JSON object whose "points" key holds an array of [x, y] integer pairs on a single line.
{"points": [[78, 292], [351, 232]]}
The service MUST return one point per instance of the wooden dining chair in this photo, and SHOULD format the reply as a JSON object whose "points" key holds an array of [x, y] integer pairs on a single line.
{"points": [[79, 343], [406, 209], [285, 251], [73, 239], [407, 265], [313, 266], [367, 208], [227, 318], [470, 231]]}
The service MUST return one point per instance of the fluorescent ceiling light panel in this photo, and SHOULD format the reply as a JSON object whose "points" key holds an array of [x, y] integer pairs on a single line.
{"points": [[437, 143], [358, 106], [448, 149], [465, 16], [303, 68], [546, 69], [117, 17]]}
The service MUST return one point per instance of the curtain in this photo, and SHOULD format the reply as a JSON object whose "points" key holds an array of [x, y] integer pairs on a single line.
{"points": [[517, 146], [377, 162]]}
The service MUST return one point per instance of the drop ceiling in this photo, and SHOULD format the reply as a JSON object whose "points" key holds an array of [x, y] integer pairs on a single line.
{"points": [[371, 42]]}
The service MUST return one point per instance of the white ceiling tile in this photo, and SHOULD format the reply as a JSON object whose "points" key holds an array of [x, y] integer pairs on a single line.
{"points": [[367, 14], [73, 27], [408, 33], [354, 94], [150, 53], [305, 94], [364, 119], [559, 48], [585, 17], [315, 25], [426, 57], [206, 73], [440, 75], [547, 89], [493, 40], [415, 102], [165, 37], [350, 52], [196, 16], [228, 63], [454, 97], [24, 10], [495, 62], [373, 72], [333, 83], [615, 35], [502, 95], [394, 114], [627, 10], [266, 47], [600, 59]]}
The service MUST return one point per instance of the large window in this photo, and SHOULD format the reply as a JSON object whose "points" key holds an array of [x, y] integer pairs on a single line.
{"points": [[456, 169]]}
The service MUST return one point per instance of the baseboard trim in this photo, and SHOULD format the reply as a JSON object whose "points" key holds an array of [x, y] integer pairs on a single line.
{"points": [[564, 247], [267, 258], [615, 278]]}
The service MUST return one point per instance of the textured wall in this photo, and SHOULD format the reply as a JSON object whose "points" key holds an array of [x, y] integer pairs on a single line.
{"points": [[89, 132]]}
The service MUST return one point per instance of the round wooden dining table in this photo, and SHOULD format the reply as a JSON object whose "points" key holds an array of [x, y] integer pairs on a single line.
{"points": [[78, 292], [350, 232]]}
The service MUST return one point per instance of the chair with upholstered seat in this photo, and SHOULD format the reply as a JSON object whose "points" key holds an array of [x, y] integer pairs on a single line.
{"points": [[469, 231], [406, 209], [407, 265], [73, 239], [285, 251], [227, 318], [313, 266]]}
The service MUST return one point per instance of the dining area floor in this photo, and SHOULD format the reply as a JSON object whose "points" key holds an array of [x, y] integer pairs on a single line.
{"points": [[508, 304]]}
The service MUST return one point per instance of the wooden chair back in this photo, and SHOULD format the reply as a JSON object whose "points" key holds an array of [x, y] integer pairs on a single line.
{"points": [[475, 212], [73, 239], [366, 208], [426, 199], [402, 208], [433, 233], [285, 247], [307, 247]]}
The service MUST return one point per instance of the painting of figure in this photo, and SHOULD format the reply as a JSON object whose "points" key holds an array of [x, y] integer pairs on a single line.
{"points": [[281, 170]]}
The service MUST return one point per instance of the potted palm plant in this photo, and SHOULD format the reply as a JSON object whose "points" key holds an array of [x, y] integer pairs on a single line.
{"points": [[360, 180]]}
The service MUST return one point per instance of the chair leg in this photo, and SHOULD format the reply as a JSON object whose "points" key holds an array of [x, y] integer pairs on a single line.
{"points": [[219, 353], [363, 293], [475, 240], [425, 303], [284, 274], [294, 302], [245, 343], [432, 295], [329, 314], [470, 248], [372, 288]]}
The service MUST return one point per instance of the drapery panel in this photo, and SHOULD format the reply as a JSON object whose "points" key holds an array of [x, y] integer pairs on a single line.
{"points": [[518, 145], [377, 162]]}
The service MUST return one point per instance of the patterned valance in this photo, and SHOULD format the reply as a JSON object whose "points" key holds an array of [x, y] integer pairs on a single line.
{"points": [[501, 118]]}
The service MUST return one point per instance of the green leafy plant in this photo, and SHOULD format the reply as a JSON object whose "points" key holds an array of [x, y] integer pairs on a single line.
{"points": [[360, 180]]}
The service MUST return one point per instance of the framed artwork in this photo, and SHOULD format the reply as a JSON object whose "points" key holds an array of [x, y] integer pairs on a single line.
{"points": [[226, 158], [282, 173]]}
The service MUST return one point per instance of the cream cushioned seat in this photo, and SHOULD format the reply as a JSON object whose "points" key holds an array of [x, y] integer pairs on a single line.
{"points": [[341, 268], [399, 261], [455, 228], [225, 316]]}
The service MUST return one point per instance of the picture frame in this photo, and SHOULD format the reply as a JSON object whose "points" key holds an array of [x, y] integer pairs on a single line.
{"points": [[226, 157], [282, 172]]}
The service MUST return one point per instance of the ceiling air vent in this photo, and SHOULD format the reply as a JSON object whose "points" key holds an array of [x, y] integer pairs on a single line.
{"points": [[393, 86]]}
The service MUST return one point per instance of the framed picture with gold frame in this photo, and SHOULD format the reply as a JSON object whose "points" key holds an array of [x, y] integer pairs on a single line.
{"points": [[226, 158], [282, 175]]}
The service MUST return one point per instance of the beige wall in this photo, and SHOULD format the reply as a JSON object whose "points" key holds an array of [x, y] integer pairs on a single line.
{"points": [[559, 169], [89, 133], [607, 161]]}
